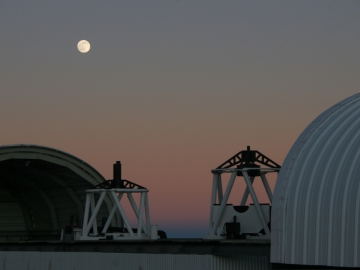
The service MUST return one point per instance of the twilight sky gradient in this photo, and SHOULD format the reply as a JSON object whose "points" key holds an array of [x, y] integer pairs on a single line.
{"points": [[173, 88]]}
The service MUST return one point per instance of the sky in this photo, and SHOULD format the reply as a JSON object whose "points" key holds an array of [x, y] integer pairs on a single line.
{"points": [[172, 89]]}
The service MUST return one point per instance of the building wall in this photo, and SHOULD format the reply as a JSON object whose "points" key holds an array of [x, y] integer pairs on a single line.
{"points": [[128, 261]]}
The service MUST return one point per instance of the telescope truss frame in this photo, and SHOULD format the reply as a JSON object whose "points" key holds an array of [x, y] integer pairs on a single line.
{"points": [[92, 208], [217, 196]]}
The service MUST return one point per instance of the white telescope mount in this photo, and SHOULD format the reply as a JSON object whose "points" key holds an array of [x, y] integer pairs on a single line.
{"points": [[112, 193], [241, 221]]}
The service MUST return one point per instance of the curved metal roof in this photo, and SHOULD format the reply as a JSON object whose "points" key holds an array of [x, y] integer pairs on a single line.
{"points": [[41, 188], [316, 203], [28, 151]]}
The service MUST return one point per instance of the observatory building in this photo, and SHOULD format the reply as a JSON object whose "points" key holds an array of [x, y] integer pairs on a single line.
{"points": [[316, 204], [41, 188]]}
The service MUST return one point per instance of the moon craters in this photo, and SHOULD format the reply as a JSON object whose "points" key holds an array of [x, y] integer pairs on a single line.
{"points": [[83, 46]]}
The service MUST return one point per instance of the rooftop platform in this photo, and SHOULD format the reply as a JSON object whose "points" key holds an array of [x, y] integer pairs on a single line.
{"points": [[229, 248]]}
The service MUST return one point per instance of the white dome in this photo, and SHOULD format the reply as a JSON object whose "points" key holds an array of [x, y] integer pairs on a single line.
{"points": [[315, 213]]}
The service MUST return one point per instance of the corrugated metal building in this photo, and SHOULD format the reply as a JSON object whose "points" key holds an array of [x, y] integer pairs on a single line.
{"points": [[316, 205]]}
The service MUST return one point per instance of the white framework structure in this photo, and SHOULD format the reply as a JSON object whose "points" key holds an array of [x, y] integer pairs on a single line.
{"points": [[220, 210], [92, 208]]}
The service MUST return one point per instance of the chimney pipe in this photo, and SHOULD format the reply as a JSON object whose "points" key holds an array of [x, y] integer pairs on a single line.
{"points": [[117, 174]]}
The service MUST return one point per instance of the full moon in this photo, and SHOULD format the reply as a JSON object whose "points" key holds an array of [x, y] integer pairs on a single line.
{"points": [[83, 46]]}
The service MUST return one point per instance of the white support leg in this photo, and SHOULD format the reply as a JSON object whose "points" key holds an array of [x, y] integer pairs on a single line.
{"points": [[141, 213], [147, 214], [267, 187], [219, 187], [86, 213], [111, 215], [93, 215], [92, 205], [223, 204], [246, 192], [256, 203], [136, 210], [109, 219], [121, 210], [213, 199]]}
